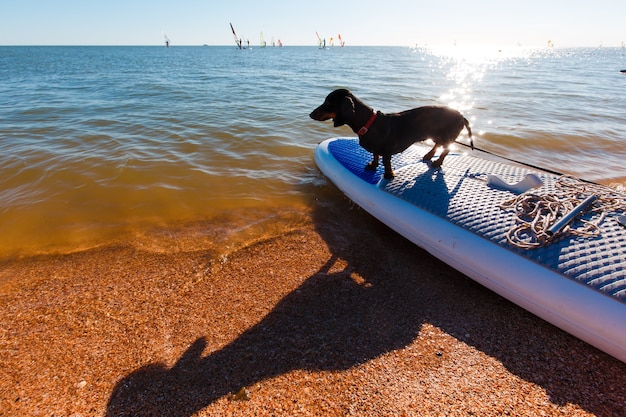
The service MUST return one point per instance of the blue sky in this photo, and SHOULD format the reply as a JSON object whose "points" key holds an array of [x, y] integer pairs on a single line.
{"points": [[362, 22]]}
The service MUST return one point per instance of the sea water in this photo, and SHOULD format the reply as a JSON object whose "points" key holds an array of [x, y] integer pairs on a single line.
{"points": [[100, 143]]}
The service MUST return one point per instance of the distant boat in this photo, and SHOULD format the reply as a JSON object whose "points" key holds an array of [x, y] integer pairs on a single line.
{"points": [[319, 41], [237, 40]]}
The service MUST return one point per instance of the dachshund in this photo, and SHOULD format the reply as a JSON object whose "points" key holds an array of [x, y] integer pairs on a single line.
{"points": [[387, 134]]}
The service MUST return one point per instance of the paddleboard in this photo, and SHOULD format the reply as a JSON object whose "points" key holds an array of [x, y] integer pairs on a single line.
{"points": [[456, 213]]}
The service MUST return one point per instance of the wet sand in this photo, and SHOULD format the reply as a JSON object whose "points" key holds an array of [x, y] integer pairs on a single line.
{"points": [[327, 312]]}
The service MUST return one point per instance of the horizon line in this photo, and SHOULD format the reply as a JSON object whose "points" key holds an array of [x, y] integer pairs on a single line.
{"points": [[253, 46]]}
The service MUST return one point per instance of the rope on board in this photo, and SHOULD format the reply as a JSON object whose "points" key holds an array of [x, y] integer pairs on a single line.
{"points": [[535, 214]]}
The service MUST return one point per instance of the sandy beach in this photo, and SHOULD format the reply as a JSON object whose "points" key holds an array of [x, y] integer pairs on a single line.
{"points": [[324, 312]]}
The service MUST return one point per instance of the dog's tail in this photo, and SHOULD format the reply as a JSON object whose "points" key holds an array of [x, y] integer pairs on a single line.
{"points": [[469, 132]]}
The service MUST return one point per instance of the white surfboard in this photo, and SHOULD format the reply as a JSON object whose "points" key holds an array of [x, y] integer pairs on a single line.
{"points": [[577, 283]]}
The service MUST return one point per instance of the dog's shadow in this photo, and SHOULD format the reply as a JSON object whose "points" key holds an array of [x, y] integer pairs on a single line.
{"points": [[426, 187], [338, 318]]}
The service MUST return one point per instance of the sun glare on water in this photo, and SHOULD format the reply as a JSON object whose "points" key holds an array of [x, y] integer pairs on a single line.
{"points": [[465, 67], [479, 53]]}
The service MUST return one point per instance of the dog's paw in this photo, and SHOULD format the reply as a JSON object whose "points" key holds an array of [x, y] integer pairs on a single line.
{"points": [[371, 167], [436, 164], [429, 156]]}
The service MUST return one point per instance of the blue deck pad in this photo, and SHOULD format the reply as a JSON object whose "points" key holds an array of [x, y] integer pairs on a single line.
{"points": [[458, 192], [352, 156]]}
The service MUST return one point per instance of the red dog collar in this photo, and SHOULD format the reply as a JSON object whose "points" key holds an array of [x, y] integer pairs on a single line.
{"points": [[365, 128]]}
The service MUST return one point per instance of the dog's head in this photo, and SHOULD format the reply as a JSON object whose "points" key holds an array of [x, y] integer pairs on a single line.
{"points": [[338, 105]]}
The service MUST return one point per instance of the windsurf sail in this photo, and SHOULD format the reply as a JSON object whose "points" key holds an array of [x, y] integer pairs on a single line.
{"points": [[263, 43], [341, 42], [166, 39], [319, 40], [237, 40]]}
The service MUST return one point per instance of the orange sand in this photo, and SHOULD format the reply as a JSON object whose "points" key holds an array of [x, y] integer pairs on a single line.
{"points": [[330, 314]]}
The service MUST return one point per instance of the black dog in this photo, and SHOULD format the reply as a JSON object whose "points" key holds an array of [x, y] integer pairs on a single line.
{"points": [[388, 134]]}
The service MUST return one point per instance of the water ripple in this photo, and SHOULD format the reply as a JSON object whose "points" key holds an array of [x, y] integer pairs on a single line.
{"points": [[95, 141]]}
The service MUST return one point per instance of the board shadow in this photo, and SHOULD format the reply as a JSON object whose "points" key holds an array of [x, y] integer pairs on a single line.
{"points": [[333, 322]]}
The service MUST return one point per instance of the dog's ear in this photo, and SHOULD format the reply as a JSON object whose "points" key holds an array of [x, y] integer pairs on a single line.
{"points": [[345, 112]]}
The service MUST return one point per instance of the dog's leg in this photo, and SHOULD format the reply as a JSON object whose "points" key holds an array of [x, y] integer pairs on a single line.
{"points": [[389, 174], [439, 160], [374, 164], [430, 153]]}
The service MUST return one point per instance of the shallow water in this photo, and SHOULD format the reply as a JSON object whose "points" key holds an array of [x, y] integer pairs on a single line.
{"points": [[102, 143]]}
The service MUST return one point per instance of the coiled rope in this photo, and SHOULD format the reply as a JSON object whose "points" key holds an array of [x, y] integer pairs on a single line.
{"points": [[536, 213]]}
